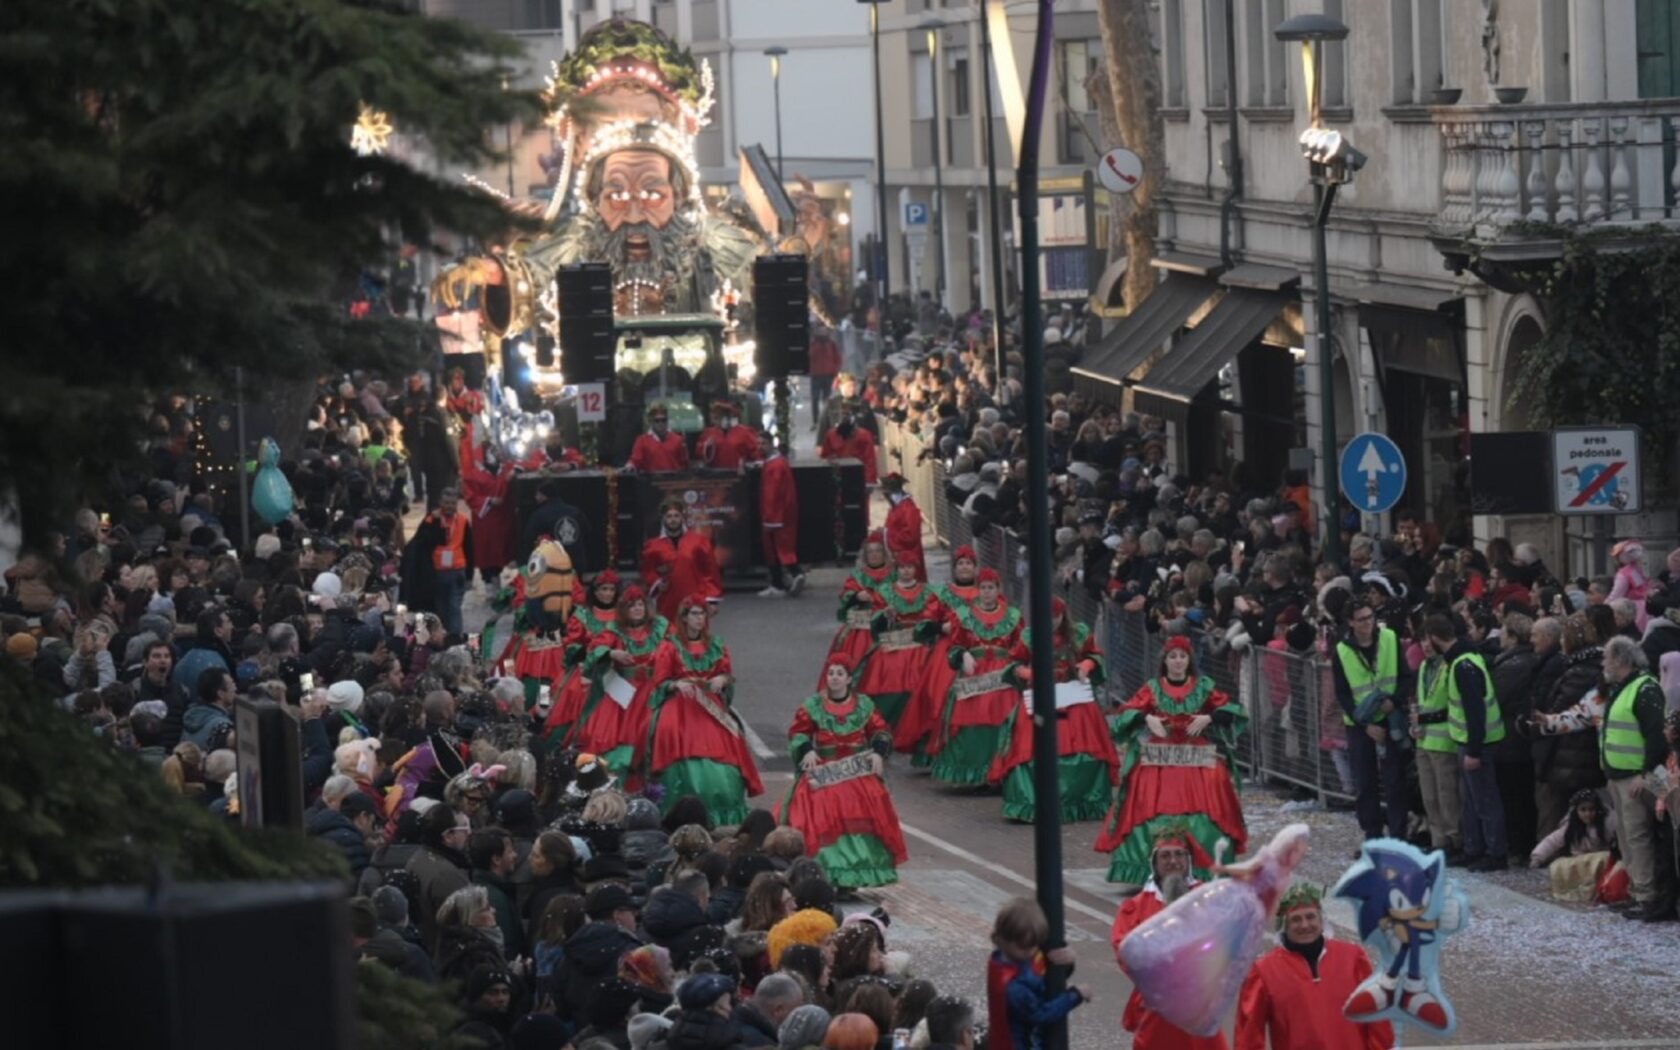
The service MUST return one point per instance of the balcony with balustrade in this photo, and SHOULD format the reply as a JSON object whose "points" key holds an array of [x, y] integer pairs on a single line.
{"points": [[1518, 180]]}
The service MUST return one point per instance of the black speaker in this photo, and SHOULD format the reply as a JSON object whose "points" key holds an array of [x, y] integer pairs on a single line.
{"points": [[586, 322], [781, 315]]}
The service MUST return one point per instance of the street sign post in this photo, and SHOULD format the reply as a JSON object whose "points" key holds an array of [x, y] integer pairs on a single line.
{"points": [[915, 214], [1595, 470], [1120, 171], [1373, 473]]}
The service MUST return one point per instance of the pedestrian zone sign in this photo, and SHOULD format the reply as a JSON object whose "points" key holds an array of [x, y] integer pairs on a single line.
{"points": [[1595, 470]]}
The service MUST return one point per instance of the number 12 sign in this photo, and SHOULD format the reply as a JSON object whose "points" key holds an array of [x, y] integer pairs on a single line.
{"points": [[591, 402]]}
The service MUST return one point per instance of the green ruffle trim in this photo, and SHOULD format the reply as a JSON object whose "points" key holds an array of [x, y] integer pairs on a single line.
{"points": [[1085, 789], [967, 756], [858, 860]]}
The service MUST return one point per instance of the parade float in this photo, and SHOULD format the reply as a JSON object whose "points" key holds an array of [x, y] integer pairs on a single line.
{"points": [[625, 109]]}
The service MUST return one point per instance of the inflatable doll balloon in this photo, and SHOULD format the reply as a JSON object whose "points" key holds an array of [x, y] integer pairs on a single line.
{"points": [[1405, 907], [1189, 961], [271, 493]]}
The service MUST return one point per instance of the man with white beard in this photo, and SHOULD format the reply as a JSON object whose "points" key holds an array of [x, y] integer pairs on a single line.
{"points": [[1169, 864]]}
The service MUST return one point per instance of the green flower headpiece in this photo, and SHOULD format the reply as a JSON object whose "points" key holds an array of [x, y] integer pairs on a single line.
{"points": [[1298, 896]]}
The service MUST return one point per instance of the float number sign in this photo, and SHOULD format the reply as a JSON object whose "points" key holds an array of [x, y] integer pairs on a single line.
{"points": [[591, 402]]}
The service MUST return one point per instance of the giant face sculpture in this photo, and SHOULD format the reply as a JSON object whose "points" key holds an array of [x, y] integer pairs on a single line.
{"points": [[636, 189]]}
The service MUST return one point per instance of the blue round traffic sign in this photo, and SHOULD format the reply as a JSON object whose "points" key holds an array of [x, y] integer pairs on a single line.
{"points": [[1373, 473]]}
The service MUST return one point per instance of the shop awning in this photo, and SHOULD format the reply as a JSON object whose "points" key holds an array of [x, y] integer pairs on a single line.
{"points": [[1103, 369], [1236, 321]]}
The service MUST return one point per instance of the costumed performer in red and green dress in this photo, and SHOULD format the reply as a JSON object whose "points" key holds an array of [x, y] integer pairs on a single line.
{"points": [[920, 720], [985, 643], [1177, 734], [698, 743], [843, 809], [571, 687], [1089, 765], [628, 646], [860, 600], [906, 628]]}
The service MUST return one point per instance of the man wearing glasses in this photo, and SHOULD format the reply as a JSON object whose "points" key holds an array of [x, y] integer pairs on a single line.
{"points": [[1372, 681]]}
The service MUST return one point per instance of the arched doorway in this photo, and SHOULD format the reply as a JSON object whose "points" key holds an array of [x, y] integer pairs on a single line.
{"points": [[1512, 412]]}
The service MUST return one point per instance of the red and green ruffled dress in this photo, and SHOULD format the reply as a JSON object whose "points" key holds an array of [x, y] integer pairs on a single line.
{"points": [[860, 599], [850, 826], [1177, 779], [699, 747], [1089, 765], [617, 734], [905, 631], [920, 720], [977, 708], [571, 685]]}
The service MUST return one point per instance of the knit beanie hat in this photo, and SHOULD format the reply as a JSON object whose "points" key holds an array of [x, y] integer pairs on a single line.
{"points": [[805, 1026], [644, 1028], [22, 647], [328, 585], [390, 905], [702, 990], [345, 696], [266, 546]]}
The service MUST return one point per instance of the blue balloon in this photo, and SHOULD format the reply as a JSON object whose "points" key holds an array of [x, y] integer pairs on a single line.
{"points": [[1405, 907], [271, 493]]}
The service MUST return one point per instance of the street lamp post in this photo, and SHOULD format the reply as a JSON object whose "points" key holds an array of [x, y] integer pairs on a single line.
{"points": [[776, 54], [992, 223], [1331, 161], [508, 129], [933, 26], [881, 253]]}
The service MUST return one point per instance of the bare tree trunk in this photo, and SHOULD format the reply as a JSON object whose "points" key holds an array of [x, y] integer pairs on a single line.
{"points": [[1134, 81]]}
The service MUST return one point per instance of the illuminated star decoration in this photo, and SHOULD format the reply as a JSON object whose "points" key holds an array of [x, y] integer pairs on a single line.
{"points": [[371, 134]]}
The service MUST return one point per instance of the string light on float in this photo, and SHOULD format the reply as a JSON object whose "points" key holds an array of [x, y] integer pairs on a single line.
{"points": [[370, 136]]}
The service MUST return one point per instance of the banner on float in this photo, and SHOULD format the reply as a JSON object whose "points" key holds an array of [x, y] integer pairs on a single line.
{"points": [[828, 774]]}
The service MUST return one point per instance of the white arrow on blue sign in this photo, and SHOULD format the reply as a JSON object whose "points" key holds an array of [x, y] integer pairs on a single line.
{"points": [[1373, 473]]}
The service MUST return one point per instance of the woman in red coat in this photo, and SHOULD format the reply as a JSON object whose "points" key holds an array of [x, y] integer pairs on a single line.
{"points": [[904, 525], [607, 725], [905, 630], [484, 487], [860, 600], [985, 643], [1178, 732], [921, 715], [699, 744], [571, 687], [1089, 765], [843, 808], [778, 512]]}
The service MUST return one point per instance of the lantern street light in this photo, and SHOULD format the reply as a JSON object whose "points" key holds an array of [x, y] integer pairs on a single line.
{"points": [[776, 54], [1331, 162], [933, 26], [879, 267]]}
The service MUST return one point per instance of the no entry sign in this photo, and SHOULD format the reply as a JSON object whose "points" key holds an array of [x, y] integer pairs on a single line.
{"points": [[1595, 470]]}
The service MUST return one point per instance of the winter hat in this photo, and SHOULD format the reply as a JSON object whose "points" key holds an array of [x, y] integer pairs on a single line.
{"points": [[155, 708], [266, 546], [22, 647], [643, 815], [247, 674], [328, 585], [357, 804], [648, 967], [546, 1032], [484, 977], [702, 990], [804, 1026], [391, 906], [809, 926], [345, 696], [644, 1029], [364, 638]]}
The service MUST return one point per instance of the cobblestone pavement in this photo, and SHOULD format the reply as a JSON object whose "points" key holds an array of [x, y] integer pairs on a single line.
{"points": [[1527, 973]]}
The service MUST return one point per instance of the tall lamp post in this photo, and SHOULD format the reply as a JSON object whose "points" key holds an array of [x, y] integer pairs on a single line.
{"points": [[992, 223], [881, 253], [508, 130], [1331, 162], [776, 54], [933, 26]]}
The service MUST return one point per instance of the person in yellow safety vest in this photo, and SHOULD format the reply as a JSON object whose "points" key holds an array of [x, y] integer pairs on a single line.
{"points": [[1372, 682], [1631, 745], [1473, 722], [1437, 758]]}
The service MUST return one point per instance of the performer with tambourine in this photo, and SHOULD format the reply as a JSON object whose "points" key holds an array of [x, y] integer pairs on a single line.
{"points": [[839, 800]]}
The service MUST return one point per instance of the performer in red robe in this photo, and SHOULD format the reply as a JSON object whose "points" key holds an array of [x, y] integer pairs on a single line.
{"points": [[592, 613], [1178, 733], [557, 456], [848, 440], [906, 629], [904, 525], [778, 511], [484, 487], [921, 715], [985, 643], [1169, 861], [1089, 765], [1295, 992], [606, 726], [849, 822], [699, 745], [466, 405], [659, 451], [679, 563], [859, 602], [726, 444]]}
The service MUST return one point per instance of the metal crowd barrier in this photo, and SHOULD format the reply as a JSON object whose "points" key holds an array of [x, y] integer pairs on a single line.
{"points": [[1294, 736]]}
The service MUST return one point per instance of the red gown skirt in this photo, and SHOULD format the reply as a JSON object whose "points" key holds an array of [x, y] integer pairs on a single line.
{"points": [[892, 676], [852, 807], [686, 730], [1082, 730], [920, 720], [1153, 791]]}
